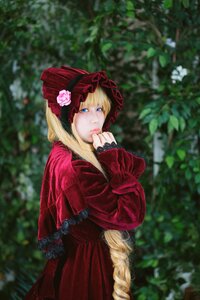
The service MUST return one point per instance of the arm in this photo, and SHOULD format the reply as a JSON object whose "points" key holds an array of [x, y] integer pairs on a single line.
{"points": [[115, 204]]}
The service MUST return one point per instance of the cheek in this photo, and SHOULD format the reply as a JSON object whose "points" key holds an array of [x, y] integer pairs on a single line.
{"points": [[80, 123], [102, 119]]}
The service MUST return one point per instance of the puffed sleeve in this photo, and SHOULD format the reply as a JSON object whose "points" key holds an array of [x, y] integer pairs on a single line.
{"points": [[119, 202]]}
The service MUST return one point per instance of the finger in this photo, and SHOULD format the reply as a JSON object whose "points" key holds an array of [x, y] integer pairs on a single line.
{"points": [[102, 139], [96, 141], [112, 137], [107, 137]]}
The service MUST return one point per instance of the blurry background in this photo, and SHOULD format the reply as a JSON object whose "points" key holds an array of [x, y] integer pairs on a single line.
{"points": [[152, 50]]}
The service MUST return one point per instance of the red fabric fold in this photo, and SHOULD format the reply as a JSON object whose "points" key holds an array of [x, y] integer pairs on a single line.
{"points": [[119, 162], [69, 187], [44, 287], [117, 204]]}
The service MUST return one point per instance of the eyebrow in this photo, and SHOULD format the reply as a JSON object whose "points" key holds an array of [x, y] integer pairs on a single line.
{"points": [[88, 105]]}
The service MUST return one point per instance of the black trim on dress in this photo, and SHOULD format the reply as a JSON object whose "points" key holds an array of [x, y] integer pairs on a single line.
{"points": [[52, 245]]}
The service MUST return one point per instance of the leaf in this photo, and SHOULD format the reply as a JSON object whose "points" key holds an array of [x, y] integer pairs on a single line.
{"points": [[169, 127], [149, 262], [157, 281], [160, 218], [181, 154], [163, 118], [154, 263], [130, 9], [106, 47], [183, 166], [94, 31], [182, 123], [198, 100], [174, 122], [168, 3], [186, 3], [37, 254], [169, 161], [130, 5], [151, 52], [197, 178], [196, 169], [163, 60], [20, 236], [142, 297], [144, 112], [192, 123], [168, 237], [157, 234], [153, 125], [188, 174]]}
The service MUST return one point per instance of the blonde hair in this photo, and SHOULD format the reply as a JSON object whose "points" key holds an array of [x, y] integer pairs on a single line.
{"points": [[120, 248]]}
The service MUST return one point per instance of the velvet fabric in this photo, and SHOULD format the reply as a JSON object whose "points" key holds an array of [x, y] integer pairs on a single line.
{"points": [[57, 79], [76, 194]]}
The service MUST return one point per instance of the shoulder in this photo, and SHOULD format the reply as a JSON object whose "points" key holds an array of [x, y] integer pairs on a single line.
{"points": [[59, 160], [60, 151], [59, 154]]}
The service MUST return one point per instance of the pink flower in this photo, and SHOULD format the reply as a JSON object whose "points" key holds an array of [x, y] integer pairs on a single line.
{"points": [[64, 98]]}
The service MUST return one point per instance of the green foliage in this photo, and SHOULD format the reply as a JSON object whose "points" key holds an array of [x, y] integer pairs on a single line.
{"points": [[151, 48]]}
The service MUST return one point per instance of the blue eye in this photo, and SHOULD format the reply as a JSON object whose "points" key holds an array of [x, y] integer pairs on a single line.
{"points": [[84, 110], [99, 108]]}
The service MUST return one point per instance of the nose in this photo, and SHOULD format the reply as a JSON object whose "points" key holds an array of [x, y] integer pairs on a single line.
{"points": [[94, 117]]}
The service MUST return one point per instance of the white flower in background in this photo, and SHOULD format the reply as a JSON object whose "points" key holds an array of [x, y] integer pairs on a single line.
{"points": [[178, 74], [15, 66], [25, 187], [156, 272], [169, 42], [187, 276], [18, 93], [196, 61], [10, 276], [171, 296], [5, 278]]}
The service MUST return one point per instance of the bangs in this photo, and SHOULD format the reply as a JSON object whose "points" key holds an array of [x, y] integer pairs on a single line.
{"points": [[100, 98]]}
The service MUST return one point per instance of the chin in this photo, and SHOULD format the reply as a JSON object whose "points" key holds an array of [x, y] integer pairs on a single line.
{"points": [[88, 140]]}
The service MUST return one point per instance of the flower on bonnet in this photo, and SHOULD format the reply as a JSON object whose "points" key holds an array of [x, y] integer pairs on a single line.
{"points": [[64, 98]]}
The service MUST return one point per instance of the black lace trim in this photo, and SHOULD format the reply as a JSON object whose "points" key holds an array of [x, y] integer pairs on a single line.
{"points": [[52, 245], [107, 146]]}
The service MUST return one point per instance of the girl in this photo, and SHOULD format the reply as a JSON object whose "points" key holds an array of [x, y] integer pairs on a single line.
{"points": [[90, 195]]}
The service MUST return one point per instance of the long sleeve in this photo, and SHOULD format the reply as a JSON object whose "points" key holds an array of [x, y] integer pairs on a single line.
{"points": [[115, 204]]}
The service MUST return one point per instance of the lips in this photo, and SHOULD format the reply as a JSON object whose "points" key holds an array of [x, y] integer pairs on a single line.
{"points": [[95, 130]]}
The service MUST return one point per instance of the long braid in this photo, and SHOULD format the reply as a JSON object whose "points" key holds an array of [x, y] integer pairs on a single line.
{"points": [[120, 249]]}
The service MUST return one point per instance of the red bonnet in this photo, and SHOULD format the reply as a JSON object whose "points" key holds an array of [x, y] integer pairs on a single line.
{"points": [[79, 83]]}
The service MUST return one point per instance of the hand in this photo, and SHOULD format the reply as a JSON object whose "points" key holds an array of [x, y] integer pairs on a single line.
{"points": [[100, 139]]}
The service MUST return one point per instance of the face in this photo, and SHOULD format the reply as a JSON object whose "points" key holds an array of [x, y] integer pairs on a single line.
{"points": [[89, 120]]}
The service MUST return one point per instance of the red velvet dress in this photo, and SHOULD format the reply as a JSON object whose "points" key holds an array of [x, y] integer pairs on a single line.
{"points": [[77, 205]]}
